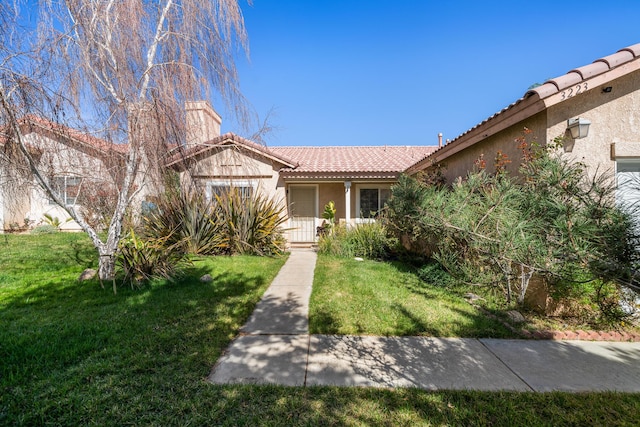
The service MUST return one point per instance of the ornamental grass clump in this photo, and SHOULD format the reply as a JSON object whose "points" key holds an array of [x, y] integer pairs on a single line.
{"points": [[185, 218], [144, 259], [367, 240]]}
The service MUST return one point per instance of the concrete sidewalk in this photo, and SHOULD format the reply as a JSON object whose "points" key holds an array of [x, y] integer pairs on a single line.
{"points": [[284, 307], [276, 348]]}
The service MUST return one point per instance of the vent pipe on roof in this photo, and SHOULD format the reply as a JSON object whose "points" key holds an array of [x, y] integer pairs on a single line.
{"points": [[440, 140]]}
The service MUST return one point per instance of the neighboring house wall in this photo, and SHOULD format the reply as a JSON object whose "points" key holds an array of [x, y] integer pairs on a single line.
{"points": [[73, 172], [14, 196], [459, 164]]}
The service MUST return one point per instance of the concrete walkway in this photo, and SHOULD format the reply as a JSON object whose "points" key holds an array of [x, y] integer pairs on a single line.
{"points": [[275, 348]]}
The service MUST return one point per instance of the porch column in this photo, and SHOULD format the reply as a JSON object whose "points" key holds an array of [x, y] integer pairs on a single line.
{"points": [[347, 200]]}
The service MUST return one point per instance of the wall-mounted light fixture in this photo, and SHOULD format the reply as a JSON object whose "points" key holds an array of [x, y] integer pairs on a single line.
{"points": [[578, 127]]}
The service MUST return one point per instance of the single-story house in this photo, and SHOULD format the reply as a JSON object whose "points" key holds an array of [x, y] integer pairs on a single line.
{"points": [[356, 178], [74, 162]]}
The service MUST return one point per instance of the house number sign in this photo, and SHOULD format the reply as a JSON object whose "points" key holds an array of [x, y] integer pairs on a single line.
{"points": [[573, 91]]}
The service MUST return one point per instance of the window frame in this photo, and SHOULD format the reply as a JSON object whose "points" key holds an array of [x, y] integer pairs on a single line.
{"points": [[381, 201], [61, 188], [247, 188]]}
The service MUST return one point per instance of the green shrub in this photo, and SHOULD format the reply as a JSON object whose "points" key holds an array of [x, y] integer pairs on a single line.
{"points": [[54, 221], [249, 226], [554, 221], [44, 229], [335, 243], [368, 240], [230, 224], [143, 259], [185, 219], [433, 274]]}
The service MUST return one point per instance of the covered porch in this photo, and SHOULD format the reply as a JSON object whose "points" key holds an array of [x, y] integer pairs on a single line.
{"points": [[356, 201]]}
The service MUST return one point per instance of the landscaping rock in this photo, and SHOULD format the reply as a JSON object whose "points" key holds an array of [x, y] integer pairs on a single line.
{"points": [[87, 274], [472, 297], [515, 316], [206, 278]]}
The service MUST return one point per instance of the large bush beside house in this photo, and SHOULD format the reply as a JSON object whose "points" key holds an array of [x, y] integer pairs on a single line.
{"points": [[554, 222]]}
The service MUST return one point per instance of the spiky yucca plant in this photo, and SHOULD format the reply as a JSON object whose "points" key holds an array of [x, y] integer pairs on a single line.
{"points": [[185, 218], [143, 259], [249, 226], [229, 224]]}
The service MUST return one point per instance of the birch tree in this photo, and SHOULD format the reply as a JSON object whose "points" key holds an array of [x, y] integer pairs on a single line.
{"points": [[129, 65]]}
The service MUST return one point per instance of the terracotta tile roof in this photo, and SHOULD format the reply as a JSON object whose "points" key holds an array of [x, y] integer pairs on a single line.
{"points": [[202, 150], [538, 98], [351, 161], [93, 145], [578, 75]]}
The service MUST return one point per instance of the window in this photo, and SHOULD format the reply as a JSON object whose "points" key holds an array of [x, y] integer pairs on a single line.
{"points": [[372, 201], [244, 188], [67, 188]]}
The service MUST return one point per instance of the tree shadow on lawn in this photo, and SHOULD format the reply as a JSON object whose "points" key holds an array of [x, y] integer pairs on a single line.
{"points": [[480, 324], [272, 405], [65, 333]]}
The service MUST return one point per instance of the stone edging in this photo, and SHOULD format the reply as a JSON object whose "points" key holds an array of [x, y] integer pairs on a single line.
{"points": [[581, 335], [565, 335]]}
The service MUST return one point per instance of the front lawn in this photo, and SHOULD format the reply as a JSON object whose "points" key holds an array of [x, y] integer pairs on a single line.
{"points": [[73, 354], [378, 298]]}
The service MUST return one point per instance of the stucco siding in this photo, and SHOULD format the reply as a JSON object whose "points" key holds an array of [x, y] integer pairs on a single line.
{"points": [[234, 164], [332, 191], [459, 164], [614, 117], [14, 198], [60, 160]]}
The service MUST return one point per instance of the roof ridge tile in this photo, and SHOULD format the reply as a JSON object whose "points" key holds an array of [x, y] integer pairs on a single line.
{"points": [[617, 59], [634, 49]]}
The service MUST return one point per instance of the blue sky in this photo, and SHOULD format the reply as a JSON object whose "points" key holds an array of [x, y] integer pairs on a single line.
{"points": [[356, 72]]}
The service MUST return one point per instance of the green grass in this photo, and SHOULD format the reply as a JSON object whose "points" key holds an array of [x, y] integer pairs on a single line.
{"points": [[380, 298], [73, 354]]}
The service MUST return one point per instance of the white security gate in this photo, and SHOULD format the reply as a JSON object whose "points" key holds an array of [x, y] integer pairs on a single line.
{"points": [[303, 205]]}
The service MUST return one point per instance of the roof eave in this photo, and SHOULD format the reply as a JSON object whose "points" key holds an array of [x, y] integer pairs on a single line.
{"points": [[225, 140], [352, 175], [521, 110]]}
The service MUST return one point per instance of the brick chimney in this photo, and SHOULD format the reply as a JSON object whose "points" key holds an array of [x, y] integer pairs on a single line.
{"points": [[203, 123]]}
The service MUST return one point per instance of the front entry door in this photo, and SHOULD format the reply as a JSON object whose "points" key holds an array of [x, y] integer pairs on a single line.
{"points": [[304, 210]]}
